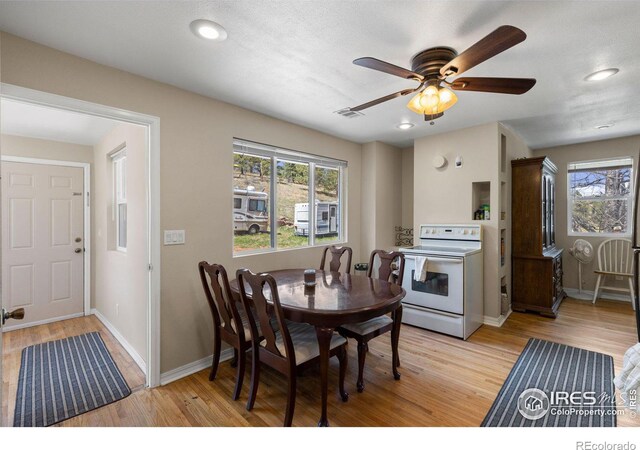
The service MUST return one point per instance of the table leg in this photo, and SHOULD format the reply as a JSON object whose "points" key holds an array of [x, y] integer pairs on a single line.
{"points": [[324, 342], [395, 337]]}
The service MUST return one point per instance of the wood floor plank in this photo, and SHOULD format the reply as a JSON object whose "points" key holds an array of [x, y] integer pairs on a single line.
{"points": [[445, 381]]}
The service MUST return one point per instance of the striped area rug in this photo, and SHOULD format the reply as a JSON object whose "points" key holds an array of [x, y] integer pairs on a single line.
{"points": [[64, 378], [535, 392]]}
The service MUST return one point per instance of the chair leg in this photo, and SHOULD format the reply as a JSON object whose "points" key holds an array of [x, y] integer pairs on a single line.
{"points": [[242, 359], [632, 294], [234, 361], [395, 338], [291, 400], [255, 377], [362, 354], [216, 356], [595, 293], [342, 358]]}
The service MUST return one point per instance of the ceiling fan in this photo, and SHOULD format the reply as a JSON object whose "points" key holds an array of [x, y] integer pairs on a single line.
{"points": [[432, 67]]}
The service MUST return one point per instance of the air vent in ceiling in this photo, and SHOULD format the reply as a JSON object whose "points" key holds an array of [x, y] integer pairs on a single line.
{"points": [[346, 112]]}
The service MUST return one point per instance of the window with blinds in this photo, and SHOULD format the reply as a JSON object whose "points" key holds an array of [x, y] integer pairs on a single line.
{"points": [[600, 197], [272, 191]]}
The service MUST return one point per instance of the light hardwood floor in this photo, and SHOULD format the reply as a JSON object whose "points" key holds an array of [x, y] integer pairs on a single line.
{"points": [[445, 381]]}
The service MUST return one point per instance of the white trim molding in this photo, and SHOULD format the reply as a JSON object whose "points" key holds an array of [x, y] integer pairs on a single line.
{"points": [[152, 174], [497, 321], [193, 367], [86, 210], [20, 326], [121, 339], [588, 295]]}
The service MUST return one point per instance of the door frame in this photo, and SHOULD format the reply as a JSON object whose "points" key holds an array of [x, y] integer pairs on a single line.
{"points": [[86, 211], [152, 180]]}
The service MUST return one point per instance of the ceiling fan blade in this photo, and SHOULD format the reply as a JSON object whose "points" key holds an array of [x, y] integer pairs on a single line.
{"points": [[383, 66], [499, 40], [496, 85], [384, 99]]}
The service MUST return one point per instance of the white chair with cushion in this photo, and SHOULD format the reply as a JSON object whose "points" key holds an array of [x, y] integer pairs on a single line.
{"points": [[615, 260]]}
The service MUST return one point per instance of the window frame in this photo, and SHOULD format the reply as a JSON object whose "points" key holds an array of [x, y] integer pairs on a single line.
{"points": [[119, 166], [275, 154], [613, 162]]}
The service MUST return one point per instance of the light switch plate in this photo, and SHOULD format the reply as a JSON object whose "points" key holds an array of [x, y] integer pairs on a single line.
{"points": [[174, 237]]}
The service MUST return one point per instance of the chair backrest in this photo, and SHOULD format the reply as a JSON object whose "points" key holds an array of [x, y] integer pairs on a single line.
{"points": [[336, 255], [265, 311], [223, 307], [615, 255], [385, 270]]}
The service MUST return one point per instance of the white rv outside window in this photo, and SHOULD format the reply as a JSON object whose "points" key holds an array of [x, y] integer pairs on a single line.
{"points": [[600, 197], [119, 162], [273, 188]]}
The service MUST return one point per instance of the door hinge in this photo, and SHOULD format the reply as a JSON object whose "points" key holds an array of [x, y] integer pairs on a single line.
{"points": [[150, 267], [88, 199]]}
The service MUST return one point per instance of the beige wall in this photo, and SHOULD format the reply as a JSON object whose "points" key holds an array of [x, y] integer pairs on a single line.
{"points": [[407, 187], [445, 195], [561, 156], [45, 149], [196, 176], [119, 282], [381, 193]]}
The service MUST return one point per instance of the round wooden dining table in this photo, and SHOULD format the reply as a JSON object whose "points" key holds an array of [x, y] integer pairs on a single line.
{"points": [[336, 299]]}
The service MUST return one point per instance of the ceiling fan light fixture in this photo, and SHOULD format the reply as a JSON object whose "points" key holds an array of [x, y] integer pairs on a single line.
{"points": [[432, 101], [207, 29], [601, 74]]}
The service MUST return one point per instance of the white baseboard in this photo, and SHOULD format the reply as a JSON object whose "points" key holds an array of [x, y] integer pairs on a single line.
{"points": [[497, 321], [588, 295], [120, 338], [20, 326], [193, 367]]}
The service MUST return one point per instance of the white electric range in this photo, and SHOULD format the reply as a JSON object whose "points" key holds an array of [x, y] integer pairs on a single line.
{"points": [[450, 300]]}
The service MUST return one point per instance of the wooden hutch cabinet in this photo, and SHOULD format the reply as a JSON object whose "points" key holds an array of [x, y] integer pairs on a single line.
{"points": [[536, 262]]}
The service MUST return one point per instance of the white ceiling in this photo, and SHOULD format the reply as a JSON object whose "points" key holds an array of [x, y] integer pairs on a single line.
{"points": [[23, 119], [293, 59]]}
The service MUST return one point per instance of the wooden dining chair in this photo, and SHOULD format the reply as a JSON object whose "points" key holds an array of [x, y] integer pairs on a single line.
{"points": [[284, 345], [230, 322], [363, 332], [336, 258]]}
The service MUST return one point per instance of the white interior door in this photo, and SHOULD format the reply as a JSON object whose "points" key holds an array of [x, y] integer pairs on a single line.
{"points": [[42, 241]]}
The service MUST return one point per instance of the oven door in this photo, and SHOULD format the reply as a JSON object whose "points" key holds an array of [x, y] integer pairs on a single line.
{"points": [[444, 286]]}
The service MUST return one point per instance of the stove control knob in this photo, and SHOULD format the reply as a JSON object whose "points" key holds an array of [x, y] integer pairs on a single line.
{"points": [[465, 232]]}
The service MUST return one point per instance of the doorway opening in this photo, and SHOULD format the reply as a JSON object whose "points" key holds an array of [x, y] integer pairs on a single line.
{"points": [[104, 212]]}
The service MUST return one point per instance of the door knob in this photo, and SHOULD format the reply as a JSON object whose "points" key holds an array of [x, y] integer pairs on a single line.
{"points": [[16, 314], [78, 250]]}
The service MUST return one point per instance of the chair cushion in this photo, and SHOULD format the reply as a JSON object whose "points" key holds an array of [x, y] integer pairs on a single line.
{"points": [[305, 341], [369, 326]]}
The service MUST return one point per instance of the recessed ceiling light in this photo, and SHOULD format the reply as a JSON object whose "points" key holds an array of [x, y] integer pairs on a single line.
{"points": [[603, 126], [601, 74], [404, 125], [206, 29]]}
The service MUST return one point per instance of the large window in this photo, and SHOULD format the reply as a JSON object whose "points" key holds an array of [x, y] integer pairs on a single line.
{"points": [[600, 197], [119, 161], [272, 191]]}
